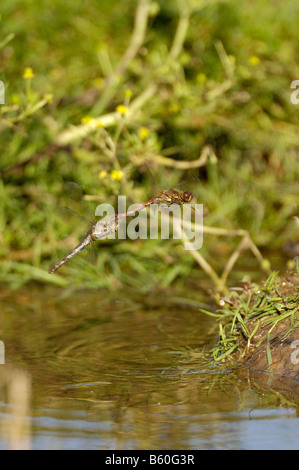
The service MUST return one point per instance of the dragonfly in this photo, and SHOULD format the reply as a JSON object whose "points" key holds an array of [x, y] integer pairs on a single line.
{"points": [[168, 197], [101, 230], [97, 231]]}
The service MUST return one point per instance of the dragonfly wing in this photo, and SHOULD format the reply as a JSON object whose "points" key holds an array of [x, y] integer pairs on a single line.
{"points": [[70, 211], [70, 215], [73, 198], [73, 191]]}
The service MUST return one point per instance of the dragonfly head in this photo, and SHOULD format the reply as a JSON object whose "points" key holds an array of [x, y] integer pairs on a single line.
{"points": [[187, 196]]}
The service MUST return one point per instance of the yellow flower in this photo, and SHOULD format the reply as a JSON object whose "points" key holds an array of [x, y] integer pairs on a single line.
{"points": [[143, 133], [102, 174], [254, 60], [28, 73], [100, 124], [87, 120], [116, 175], [121, 109]]}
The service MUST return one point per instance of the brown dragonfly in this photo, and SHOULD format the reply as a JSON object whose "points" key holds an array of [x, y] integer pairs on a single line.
{"points": [[168, 197], [101, 230]]}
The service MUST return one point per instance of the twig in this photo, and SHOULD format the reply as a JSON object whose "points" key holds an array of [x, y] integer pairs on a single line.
{"points": [[137, 38], [180, 34], [107, 120], [184, 165], [243, 245], [246, 243], [207, 268]]}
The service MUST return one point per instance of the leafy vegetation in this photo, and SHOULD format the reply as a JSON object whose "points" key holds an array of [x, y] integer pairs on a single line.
{"points": [[117, 96]]}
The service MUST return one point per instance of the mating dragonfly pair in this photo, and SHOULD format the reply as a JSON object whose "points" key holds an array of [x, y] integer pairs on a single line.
{"points": [[101, 230]]}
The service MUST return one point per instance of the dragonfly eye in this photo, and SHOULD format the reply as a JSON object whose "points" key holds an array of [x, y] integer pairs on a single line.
{"points": [[187, 196]]}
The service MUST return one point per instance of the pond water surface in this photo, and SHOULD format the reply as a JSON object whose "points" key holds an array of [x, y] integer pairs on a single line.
{"points": [[94, 371]]}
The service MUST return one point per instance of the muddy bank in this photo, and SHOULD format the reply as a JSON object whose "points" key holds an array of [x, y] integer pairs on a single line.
{"points": [[259, 329]]}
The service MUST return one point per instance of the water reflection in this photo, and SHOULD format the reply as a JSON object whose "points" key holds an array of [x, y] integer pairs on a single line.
{"points": [[123, 374]]}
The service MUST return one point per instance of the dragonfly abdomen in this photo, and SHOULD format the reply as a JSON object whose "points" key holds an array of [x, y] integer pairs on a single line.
{"points": [[84, 242]]}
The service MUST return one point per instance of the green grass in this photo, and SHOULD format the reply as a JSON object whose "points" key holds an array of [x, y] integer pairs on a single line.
{"points": [[189, 76], [244, 315]]}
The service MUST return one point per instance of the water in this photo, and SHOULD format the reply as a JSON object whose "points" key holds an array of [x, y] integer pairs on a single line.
{"points": [[93, 371]]}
